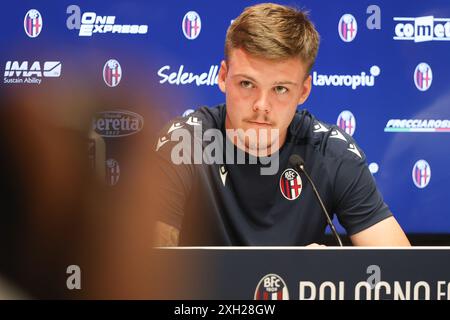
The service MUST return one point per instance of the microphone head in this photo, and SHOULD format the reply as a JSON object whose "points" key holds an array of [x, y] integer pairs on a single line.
{"points": [[296, 161]]}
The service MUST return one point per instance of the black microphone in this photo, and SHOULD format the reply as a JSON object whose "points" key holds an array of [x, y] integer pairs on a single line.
{"points": [[298, 164]]}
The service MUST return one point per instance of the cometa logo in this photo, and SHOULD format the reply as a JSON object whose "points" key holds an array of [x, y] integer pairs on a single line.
{"points": [[422, 29]]}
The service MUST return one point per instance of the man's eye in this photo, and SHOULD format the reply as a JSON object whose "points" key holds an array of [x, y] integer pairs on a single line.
{"points": [[280, 89], [246, 84]]}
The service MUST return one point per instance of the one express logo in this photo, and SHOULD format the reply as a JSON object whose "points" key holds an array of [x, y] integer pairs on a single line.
{"points": [[90, 23]]}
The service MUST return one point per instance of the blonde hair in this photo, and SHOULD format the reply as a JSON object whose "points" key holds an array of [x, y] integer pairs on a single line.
{"points": [[275, 32]]}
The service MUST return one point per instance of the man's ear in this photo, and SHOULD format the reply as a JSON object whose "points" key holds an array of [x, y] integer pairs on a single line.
{"points": [[306, 90], [222, 76]]}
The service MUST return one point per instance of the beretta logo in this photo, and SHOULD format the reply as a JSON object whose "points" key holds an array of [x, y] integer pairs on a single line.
{"points": [[117, 123]]}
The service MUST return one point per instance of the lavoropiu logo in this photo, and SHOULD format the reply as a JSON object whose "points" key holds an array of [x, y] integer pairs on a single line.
{"points": [[423, 76], [191, 25], [421, 174], [32, 23], [112, 73], [117, 123], [112, 172], [422, 29], [271, 287], [353, 81], [347, 122], [16, 72], [347, 27]]}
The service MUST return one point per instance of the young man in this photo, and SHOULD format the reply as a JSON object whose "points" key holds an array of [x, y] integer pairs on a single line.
{"points": [[269, 53]]}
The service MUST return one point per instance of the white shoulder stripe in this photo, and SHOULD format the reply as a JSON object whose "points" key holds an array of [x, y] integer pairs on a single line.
{"points": [[223, 173], [352, 148], [161, 141], [338, 135], [319, 127]]}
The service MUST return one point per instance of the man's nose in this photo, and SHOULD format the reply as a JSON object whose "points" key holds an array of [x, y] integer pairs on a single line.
{"points": [[262, 103]]}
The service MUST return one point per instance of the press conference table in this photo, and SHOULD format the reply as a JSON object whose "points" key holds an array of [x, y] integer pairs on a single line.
{"points": [[265, 273]]}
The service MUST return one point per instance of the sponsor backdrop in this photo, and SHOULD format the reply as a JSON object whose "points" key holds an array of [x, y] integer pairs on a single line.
{"points": [[299, 274], [382, 75]]}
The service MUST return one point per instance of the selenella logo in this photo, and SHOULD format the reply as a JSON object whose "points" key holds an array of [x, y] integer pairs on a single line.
{"points": [[117, 123], [271, 287], [30, 73], [32, 23], [182, 77], [422, 29]]}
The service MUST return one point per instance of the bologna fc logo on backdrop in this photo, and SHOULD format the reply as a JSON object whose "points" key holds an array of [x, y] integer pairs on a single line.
{"points": [[347, 122], [290, 184], [347, 27], [423, 76], [271, 287], [191, 25], [112, 73], [421, 174], [33, 23], [112, 172]]}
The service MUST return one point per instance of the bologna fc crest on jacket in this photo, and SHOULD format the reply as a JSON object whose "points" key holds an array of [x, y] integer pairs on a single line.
{"points": [[271, 287], [290, 184]]}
